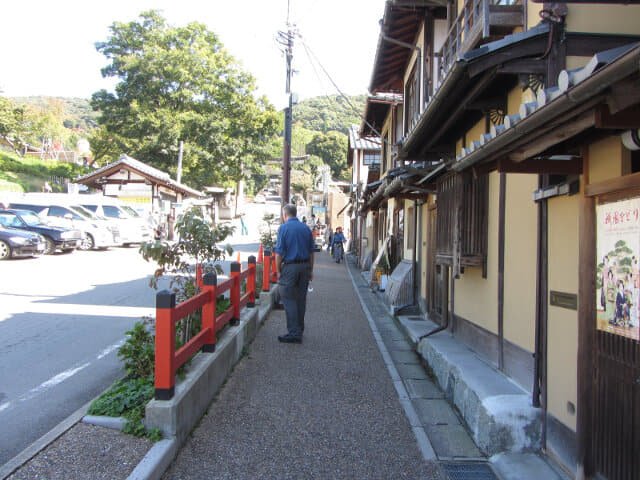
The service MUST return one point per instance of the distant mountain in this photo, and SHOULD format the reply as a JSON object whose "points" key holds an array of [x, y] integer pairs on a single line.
{"points": [[76, 112], [325, 114]]}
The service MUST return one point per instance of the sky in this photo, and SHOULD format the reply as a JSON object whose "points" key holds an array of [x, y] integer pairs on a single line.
{"points": [[48, 47]]}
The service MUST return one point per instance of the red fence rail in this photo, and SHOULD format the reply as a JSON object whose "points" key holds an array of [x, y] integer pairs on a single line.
{"points": [[168, 360]]}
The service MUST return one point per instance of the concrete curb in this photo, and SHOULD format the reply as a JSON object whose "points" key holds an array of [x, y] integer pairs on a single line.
{"points": [[44, 441], [160, 456], [156, 461], [114, 423]]}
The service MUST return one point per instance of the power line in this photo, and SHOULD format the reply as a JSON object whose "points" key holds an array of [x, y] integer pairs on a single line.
{"points": [[345, 97]]}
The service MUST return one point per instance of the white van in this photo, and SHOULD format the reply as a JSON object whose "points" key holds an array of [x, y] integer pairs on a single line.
{"points": [[58, 210], [132, 229]]}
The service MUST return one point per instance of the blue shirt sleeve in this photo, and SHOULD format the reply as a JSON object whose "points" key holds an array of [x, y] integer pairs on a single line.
{"points": [[312, 243], [279, 249]]}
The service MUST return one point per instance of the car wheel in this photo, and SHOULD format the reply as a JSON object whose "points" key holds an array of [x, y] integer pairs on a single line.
{"points": [[87, 242], [49, 247], [5, 251]]}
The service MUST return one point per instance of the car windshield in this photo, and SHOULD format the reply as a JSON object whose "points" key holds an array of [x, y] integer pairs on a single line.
{"points": [[31, 219], [81, 211], [114, 212], [130, 211]]}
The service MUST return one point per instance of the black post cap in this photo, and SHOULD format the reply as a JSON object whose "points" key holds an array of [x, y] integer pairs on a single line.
{"points": [[252, 259], [209, 347], [235, 267], [267, 253], [164, 393], [165, 299], [210, 278]]}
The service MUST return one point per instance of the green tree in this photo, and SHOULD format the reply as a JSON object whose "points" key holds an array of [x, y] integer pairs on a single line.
{"points": [[332, 149], [179, 83], [13, 125]]}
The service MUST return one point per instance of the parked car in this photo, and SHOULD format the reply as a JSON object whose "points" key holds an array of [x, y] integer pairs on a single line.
{"points": [[132, 227], [64, 239], [96, 233], [259, 198], [16, 243]]}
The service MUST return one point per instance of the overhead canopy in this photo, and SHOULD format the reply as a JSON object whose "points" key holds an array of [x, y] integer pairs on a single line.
{"points": [[127, 170], [401, 22]]}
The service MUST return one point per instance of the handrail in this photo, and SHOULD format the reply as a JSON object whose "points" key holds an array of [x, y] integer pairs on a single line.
{"points": [[473, 16], [167, 359]]}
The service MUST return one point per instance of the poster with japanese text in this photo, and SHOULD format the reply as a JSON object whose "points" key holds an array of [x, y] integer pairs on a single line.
{"points": [[618, 271]]}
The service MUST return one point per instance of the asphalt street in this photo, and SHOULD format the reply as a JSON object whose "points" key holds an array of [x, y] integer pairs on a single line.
{"points": [[62, 319]]}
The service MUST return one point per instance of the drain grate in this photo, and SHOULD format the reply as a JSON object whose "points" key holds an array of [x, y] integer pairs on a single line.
{"points": [[469, 471]]}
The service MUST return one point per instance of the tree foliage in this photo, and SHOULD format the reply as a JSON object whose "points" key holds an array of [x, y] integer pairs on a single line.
{"points": [[329, 113], [180, 84], [332, 149]]}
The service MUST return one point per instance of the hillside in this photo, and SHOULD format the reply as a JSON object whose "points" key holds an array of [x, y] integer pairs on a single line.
{"points": [[76, 112], [332, 113]]}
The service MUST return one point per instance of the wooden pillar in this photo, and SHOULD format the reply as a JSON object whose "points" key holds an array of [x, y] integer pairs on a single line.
{"points": [[586, 325], [501, 238]]}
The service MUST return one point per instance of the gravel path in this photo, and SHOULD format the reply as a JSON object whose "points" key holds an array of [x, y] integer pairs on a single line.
{"points": [[86, 452], [326, 409]]}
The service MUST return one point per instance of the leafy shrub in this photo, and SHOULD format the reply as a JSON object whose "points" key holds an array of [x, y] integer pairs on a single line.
{"points": [[127, 398], [138, 351]]}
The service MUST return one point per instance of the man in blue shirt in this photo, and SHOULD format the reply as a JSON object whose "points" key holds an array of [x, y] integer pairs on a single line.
{"points": [[294, 264]]}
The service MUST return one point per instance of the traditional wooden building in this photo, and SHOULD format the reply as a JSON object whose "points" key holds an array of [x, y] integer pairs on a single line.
{"points": [[512, 166]]}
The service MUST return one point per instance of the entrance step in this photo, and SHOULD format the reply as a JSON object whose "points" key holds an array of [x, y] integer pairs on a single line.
{"points": [[498, 413], [526, 466]]}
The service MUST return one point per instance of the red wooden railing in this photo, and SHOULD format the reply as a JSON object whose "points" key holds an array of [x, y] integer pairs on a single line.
{"points": [[168, 360]]}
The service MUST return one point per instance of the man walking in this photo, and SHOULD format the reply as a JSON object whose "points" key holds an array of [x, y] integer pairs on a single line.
{"points": [[294, 264]]}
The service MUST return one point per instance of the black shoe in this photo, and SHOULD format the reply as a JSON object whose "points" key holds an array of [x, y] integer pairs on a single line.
{"points": [[289, 339]]}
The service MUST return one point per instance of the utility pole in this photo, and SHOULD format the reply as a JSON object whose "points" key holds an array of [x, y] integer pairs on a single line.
{"points": [[286, 40], [179, 171]]}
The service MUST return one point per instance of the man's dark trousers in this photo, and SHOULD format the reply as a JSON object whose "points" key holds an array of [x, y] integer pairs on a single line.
{"points": [[292, 284]]}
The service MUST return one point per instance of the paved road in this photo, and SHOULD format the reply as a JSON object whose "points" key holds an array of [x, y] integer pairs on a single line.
{"points": [[62, 318]]}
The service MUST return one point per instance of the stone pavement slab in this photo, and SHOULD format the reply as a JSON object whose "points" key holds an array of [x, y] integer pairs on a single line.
{"points": [[324, 409], [452, 441], [423, 389]]}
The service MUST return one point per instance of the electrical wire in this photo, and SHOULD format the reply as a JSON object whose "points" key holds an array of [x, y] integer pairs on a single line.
{"points": [[345, 97]]}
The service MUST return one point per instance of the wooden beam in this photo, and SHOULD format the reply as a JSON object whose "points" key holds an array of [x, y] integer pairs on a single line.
{"points": [[588, 44], [452, 117], [485, 168], [617, 184], [524, 65], [625, 94], [541, 166], [530, 48], [502, 202], [586, 326], [624, 120], [554, 137]]}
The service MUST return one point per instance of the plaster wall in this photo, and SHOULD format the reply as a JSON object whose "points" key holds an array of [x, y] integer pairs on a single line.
{"points": [[476, 297], [520, 261], [562, 337], [613, 19], [605, 159]]}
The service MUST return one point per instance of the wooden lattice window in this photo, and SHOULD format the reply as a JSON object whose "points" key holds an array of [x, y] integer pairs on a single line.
{"points": [[461, 234]]}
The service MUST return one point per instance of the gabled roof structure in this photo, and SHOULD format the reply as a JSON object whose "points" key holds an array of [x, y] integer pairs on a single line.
{"points": [[99, 177], [576, 89]]}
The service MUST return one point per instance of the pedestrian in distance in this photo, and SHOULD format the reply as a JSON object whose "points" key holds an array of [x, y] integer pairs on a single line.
{"points": [[244, 230], [337, 244], [294, 264]]}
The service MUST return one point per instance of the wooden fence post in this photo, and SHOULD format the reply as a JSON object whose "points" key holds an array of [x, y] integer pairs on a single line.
{"points": [[251, 282], [165, 345], [266, 273], [235, 293], [209, 282]]}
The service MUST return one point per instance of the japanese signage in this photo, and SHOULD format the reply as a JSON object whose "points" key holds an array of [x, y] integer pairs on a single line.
{"points": [[618, 271]]}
